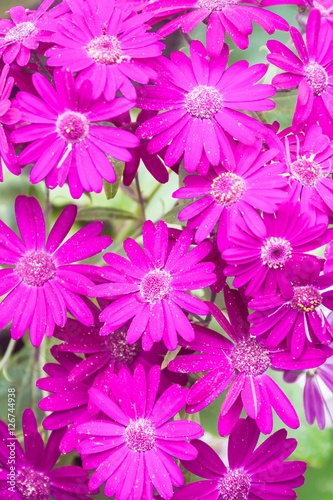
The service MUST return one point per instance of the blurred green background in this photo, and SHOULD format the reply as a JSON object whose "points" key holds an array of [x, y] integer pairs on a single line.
{"points": [[314, 446]]}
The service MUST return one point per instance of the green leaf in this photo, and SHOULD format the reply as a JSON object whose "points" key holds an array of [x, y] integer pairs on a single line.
{"points": [[110, 190], [171, 217], [104, 213], [285, 104]]}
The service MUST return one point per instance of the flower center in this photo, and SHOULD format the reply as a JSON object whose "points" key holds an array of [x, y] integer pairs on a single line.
{"points": [[235, 485], [155, 286], [72, 127], [20, 31], [33, 485], [250, 357], [275, 252], [140, 435], [35, 268], [305, 298], [120, 350], [227, 189], [215, 4], [203, 101], [306, 171], [105, 49], [317, 77]]}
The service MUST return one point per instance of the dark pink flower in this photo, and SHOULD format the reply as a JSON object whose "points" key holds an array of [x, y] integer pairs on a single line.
{"points": [[298, 318], [39, 278], [131, 452], [224, 16], [152, 286], [253, 474], [35, 477], [66, 143], [311, 72], [107, 45], [202, 100], [26, 29]]}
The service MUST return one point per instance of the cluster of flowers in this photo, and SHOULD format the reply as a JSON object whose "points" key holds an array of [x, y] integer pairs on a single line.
{"points": [[258, 201]]}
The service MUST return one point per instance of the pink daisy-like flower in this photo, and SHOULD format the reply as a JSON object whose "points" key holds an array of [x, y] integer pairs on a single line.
{"points": [[224, 16], [201, 100], [243, 362], [312, 72], [66, 144], [107, 45], [26, 29], [253, 474], [233, 190], [40, 280], [31, 474], [151, 287], [309, 159], [132, 451], [140, 155], [298, 318], [9, 116], [259, 251]]}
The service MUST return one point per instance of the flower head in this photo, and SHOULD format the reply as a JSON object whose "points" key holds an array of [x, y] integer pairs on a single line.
{"points": [[151, 286], [201, 100], [63, 128], [132, 450], [309, 159], [297, 319], [224, 16], [107, 45], [243, 362], [260, 252], [40, 281], [26, 29], [252, 473], [35, 477]]}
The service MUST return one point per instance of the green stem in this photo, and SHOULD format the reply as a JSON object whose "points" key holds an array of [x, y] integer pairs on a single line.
{"points": [[7, 354]]}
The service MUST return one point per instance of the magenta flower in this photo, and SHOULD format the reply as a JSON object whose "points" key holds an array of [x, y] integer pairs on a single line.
{"points": [[309, 160], [253, 474], [201, 100], [132, 451], [109, 50], [65, 142], [232, 17], [9, 116], [40, 281], [34, 474], [259, 251], [312, 72], [243, 362], [26, 29], [151, 286], [233, 190], [298, 319]]}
